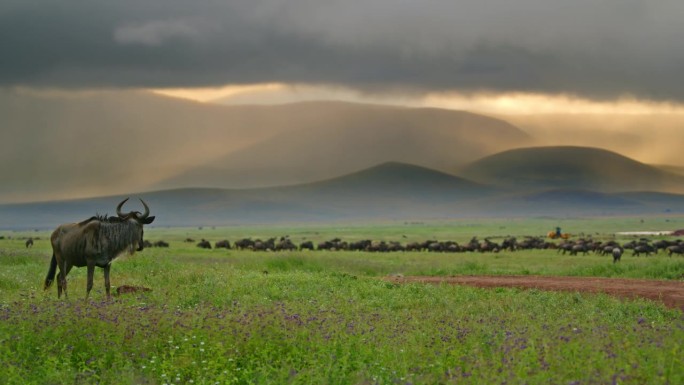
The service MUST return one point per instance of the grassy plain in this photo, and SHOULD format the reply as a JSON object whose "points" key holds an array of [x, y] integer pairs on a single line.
{"points": [[224, 317]]}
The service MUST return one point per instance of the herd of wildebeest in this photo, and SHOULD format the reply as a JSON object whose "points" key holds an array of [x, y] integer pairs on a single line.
{"points": [[639, 247], [98, 240]]}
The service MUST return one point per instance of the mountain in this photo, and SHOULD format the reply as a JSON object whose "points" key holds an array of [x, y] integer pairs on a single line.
{"points": [[563, 167], [393, 183], [59, 145], [387, 192], [335, 138], [390, 190]]}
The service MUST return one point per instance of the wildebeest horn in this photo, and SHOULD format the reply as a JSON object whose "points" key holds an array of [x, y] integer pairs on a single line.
{"points": [[118, 208], [147, 210]]}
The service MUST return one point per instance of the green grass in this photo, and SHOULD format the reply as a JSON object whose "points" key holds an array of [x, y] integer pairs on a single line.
{"points": [[240, 317], [460, 230]]}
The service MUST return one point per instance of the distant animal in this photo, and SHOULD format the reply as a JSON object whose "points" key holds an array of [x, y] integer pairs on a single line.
{"points": [[488, 245], [361, 245], [225, 244], [662, 244], [333, 244], [643, 249], [244, 243], [306, 245], [509, 243], [473, 245], [267, 245], [579, 248], [161, 244], [97, 241], [204, 244], [675, 249], [285, 244], [617, 254], [29, 242]]}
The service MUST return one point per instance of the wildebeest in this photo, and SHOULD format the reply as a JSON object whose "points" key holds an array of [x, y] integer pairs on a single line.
{"points": [[224, 244], [473, 245], [267, 245], [333, 244], [204, 244], [161, 244], [662, 244], [509, 243], [243, 244], [285, 244], [617, 253], [29, 242], [675, 249], [579, 248], [643, 249], [97, 241], [361, 245]]}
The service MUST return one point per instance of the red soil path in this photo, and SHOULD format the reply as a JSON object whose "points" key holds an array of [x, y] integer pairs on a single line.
{"points": [[671, 293]]}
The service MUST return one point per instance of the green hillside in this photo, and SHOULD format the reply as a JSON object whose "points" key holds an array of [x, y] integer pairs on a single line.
{"points": [[559, 167]]}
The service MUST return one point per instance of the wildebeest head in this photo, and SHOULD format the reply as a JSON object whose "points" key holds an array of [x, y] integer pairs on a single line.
{"points": [[135, 216]]}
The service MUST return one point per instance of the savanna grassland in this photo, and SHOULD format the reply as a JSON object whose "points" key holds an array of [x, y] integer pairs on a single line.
{"points": [[323, 317]]}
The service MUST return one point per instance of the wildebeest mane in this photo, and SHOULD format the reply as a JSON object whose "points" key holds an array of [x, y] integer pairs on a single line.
{"points": [[120, 235], [102, 218]]}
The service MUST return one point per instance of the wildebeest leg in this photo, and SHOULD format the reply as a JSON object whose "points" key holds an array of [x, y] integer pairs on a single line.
{"points": [[60, 275], [62, 284], [91, 274], [106, 279]]}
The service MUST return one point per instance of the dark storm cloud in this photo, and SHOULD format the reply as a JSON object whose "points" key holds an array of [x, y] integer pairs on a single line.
{"points": [[598, 49]]}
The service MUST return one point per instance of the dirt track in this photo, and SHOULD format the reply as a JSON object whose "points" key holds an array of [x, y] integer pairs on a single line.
{"points": [[671, 293]]}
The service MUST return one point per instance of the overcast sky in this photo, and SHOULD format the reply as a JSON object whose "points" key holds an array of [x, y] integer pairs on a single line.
{"points": [[598, 49]]}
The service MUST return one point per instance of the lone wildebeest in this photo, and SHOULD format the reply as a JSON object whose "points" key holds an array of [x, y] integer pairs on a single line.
{"points": [[29, 242], [95, 242], [306, 245], [225, 244], [617, 253], [204, 244], [160, 244]]}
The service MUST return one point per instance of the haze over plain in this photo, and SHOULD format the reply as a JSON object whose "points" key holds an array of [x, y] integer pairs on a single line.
{"points": [[437, 84]]}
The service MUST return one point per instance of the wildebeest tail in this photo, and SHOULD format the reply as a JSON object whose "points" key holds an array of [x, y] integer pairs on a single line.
{"points": [[51, 272]]}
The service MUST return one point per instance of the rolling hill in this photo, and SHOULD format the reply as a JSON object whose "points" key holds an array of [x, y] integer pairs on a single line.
{"points": [[570, 167], [390, 191]]}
